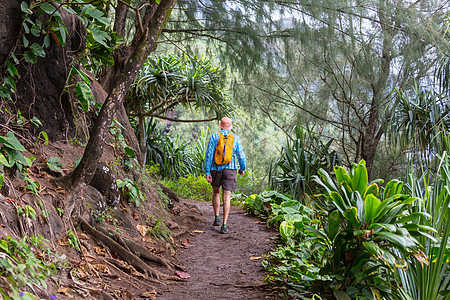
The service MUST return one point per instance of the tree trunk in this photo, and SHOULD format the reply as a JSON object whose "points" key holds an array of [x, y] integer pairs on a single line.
{"points": [[147, 43]]}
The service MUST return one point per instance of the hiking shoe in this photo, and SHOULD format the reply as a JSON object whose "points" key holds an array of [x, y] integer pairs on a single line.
{"points": [[216, 222], [223, 229]]}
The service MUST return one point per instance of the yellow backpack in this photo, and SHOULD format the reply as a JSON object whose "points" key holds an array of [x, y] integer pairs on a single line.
{"points": [[224, 149]]}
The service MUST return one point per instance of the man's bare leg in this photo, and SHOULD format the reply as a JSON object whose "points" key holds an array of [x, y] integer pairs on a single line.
{"points": [[216, 201], [226, 196]]}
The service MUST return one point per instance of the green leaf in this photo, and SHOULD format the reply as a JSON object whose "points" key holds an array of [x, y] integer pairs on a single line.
{"points": [[13, 56], [12, 142], [393, 188], [388, 227], [360, 178], [37, 50], [47, 41], [328, 182], [334, 220], [25, 41], [351, 215], [49, 9], [11, 68], [129, 152], [372, 189], [373, 248], [401, 241], [287, 229], [342, 175], [44, 134], [338, 202], [99, 35], [25, 8], [15, 157], [371, 204], [30, 57], [36, 31], [83, 76], [2, 177], [158, 1], [4, 161], [84, 95], [413, 216], [54, 164], [10, 82], [26, 29]]}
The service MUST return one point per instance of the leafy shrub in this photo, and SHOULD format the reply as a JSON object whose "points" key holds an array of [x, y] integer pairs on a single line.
{"points": [[192, 187], [430, 281], [131, 189], [299, 161], [295, 262], [250, 183], [364, 232], [261, 204], [21, 268], [171, 155]]}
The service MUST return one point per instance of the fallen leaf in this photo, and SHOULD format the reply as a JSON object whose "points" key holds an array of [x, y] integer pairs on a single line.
{"points": [[135, 216], [198, 231], [134, 272], [255, 257], [82, 236], [65, 291], [143, 229], [63, 243], [100, 251], [60, 190], [183, 275], [102, 268]]}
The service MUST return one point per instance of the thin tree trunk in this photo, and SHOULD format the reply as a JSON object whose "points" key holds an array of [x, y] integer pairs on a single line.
{"points": [[94, 149]]}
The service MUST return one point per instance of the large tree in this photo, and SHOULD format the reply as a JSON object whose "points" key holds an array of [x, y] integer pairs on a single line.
{"points": [[44, 54]]}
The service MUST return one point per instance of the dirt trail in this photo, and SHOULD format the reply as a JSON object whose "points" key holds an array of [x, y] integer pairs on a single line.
{"points": [[223, 266]]}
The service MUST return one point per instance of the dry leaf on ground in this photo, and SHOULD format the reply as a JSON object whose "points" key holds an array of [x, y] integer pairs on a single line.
{"points": [[183, 275], [64, 290], [255, 257], [143, 229]]}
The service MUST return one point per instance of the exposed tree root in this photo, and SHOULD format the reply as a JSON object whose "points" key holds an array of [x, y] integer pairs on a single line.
{"points": [[168, 191], [120, 251], [138, 250]]}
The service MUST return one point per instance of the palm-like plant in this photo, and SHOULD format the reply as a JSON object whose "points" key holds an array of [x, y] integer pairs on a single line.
{"points": [[171, 155], [420, 117], [431, 281], [299, 161], [167, 81]]}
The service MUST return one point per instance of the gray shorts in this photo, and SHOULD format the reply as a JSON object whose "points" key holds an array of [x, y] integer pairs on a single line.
{"points": [[225, 179]]}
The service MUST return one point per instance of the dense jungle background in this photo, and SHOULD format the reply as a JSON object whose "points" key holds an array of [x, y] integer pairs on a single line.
{"points": [[342, 108]]}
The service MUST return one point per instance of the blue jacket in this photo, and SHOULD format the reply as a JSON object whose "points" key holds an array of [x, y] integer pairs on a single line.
{"points": [[238, 152]]}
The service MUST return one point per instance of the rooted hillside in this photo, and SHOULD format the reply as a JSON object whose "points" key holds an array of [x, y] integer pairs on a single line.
{"points": [[100, 242]]}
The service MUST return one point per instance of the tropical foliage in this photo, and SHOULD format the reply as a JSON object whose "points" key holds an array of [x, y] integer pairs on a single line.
{"points": [[299, 160], [431, 280]]}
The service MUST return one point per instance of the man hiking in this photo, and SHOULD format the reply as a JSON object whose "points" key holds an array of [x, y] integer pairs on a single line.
{"points": [[220, 168]]}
